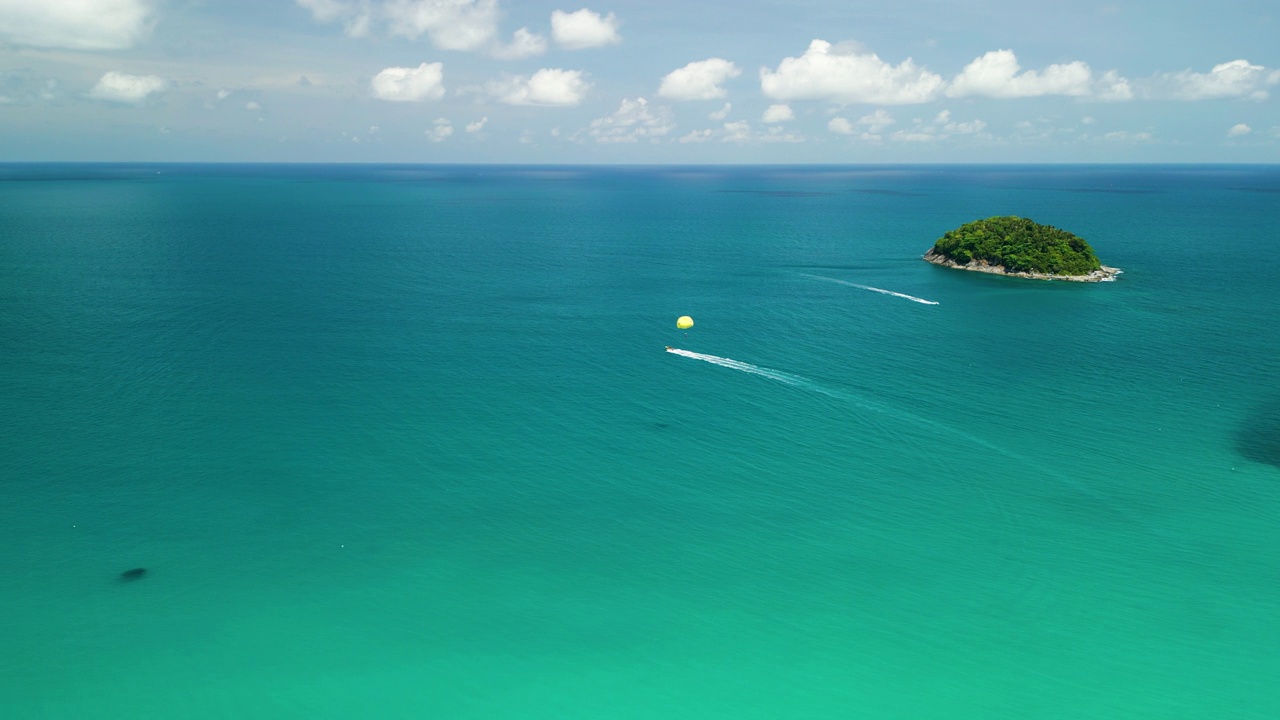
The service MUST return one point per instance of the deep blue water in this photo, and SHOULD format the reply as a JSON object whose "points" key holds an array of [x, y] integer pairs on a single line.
{"points": [[403, 442]]}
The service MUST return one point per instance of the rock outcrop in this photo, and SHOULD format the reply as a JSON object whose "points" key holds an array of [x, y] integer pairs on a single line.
{"points": [[1103, 274]]}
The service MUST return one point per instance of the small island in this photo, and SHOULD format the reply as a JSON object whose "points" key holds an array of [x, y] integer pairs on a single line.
{"points": [[1019, 247]]}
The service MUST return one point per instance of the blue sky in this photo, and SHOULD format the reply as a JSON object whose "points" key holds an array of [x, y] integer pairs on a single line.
{"points": [[748, 81]]}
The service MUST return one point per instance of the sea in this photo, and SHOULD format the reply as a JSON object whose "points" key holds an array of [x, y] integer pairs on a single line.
{"points": [[424, 441]]}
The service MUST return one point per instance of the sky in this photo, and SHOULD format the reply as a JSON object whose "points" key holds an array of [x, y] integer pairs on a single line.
{"points": [[640, 82]]}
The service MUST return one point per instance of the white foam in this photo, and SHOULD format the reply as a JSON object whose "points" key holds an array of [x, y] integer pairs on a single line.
{"points": [[904, 296], [744, 367]]}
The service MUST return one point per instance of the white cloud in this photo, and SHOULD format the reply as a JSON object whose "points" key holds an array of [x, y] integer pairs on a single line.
{"points": [[524, 44], [478, 125], [698, 80], [1126, 136], [355, 17], [777, 133], [1237, 78], [738, 131], [973, 127], [632, 121], [848, 77], [877, 121], [697, 136], [75, 24], [224, 93], [840, 126], [358, 26], [252, 105], [869, 128], [440, 130], [403, 84], [583, 29], [944, 126], [549, 86], [450, 24], [121, 87], [1113, 87], [777, 114], [722, 113], [325, 10], [996, 75], [908, 136], [1239, 130]]}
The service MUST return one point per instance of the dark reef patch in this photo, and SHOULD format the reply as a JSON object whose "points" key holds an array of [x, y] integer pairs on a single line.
{"points": [[780, 193], [832, 267], [891, 193], [1267, 190], [1258, 436], [1113, 191]]}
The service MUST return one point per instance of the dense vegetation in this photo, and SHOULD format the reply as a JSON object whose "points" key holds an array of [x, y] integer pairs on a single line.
{"points": [[1020, 245]]}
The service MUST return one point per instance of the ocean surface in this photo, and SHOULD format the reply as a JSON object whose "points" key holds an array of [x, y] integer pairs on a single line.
{"points": [[404, 442]]}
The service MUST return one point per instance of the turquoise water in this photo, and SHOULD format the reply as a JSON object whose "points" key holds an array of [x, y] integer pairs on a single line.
{"points": [[402, 442]]}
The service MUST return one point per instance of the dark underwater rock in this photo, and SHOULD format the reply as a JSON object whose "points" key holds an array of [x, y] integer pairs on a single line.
{"points": [[1258, 436]]}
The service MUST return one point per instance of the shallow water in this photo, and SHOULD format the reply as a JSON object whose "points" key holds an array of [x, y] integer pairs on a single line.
{"points": [[401, 441]]}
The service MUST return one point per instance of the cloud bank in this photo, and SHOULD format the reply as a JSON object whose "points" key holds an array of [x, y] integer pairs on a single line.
{"points": [[844, 78], [1238, 78], [996, 75], [75, 24], [633, 121], [449, 24]]}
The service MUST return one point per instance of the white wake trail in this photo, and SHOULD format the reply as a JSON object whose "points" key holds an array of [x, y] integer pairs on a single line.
{"points": [[744, 367], [770, 373], [904, 296], [919, 421]]}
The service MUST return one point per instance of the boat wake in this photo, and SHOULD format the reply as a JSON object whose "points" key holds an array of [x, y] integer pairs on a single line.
{"points": [[812, 386], [778, 375], [904, 296], [920, 422]]}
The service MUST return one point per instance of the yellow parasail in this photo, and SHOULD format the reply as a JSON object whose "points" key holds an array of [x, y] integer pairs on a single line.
{"points": [[684, 322]]}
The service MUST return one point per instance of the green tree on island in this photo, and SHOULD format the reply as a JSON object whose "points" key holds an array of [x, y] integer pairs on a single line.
{"points": [[1020, 245]]}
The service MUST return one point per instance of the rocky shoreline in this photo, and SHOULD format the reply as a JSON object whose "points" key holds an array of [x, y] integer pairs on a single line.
{"points": [[1103, 274]]}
